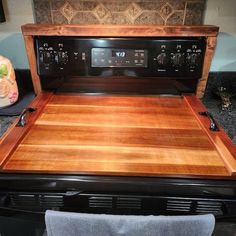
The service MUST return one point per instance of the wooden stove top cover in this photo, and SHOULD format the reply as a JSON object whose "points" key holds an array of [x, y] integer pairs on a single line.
{"points": [[117, 135]]}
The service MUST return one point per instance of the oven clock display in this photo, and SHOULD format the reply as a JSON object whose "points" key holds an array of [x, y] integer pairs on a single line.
{"points": [[118, 53], [119, 57]]}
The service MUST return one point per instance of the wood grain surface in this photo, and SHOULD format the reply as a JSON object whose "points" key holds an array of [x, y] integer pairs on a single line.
{"points": [[210, 48], [119, 30], [117, 135], [222, 142], [10, 141], [29, 45]]}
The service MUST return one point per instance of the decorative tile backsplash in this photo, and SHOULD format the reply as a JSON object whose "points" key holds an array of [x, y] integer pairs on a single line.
{"points": [[161, 12]]}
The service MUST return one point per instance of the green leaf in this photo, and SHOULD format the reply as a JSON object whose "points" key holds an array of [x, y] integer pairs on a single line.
{"points": [[3, 70]]}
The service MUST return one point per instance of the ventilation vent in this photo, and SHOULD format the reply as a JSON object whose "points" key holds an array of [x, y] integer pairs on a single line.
{"points": [[51, 201], [20, 200], [204, 207], [100, 202], [128, 203], [179, 205]]}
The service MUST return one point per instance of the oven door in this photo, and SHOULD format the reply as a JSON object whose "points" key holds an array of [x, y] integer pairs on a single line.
{"points": [[22, 208]]}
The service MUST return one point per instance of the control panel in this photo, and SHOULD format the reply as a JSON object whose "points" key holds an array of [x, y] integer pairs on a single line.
{"points": [[107, 57], [141, 57]]}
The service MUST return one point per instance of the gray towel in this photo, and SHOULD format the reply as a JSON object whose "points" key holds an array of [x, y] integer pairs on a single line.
{"points": [[80, 224]]}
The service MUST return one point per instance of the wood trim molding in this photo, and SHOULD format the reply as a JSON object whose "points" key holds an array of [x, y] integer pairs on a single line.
{"points": [[210, 48], [31, 30], [11, 140], [29, 45], [119, 30], [221, 141]]}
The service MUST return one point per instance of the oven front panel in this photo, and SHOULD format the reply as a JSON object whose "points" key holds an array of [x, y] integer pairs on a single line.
{"points": [[117, 195], [136, 57]]}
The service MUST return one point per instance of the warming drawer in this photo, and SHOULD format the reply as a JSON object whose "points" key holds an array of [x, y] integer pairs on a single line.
{"points": [[118, 136]]}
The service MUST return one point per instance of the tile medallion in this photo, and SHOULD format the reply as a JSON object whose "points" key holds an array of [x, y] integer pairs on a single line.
{"points": [[133, 12], [68, 11], [101, 12], [166, 11]]}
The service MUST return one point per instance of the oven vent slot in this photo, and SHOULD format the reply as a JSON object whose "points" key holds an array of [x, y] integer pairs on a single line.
{"points": [[23, 200], [48, 201], [100, 202], [42, 201], [179, 205], [204, 207], [129, 203]]}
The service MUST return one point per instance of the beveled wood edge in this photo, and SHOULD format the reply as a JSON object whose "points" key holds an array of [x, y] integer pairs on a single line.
{"points": [[30, 51], [16, 134], [118, 30], [223, 144], [202, 82]]}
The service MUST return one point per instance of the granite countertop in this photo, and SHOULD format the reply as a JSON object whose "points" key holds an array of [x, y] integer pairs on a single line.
{"points": [[5, 123], [226, 119]]}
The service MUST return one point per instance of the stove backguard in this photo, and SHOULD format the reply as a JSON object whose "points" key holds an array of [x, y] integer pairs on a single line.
{"points": [[164, 65]]}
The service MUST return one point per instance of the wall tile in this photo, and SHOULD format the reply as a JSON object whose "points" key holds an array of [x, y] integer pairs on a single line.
{"points": [[176, 18], [85, 18], [177, 5], [117, 18], [161, 12], [152, 5], [58, 18], [152, 18], [117, 6], [86, 6], [57, 4], [194, 13], [42, 11]]}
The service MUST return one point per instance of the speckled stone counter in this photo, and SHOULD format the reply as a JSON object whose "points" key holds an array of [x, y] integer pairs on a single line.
{"points": [[5, 122], [227, 119]]}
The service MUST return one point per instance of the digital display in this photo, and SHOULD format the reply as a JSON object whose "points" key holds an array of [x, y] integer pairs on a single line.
{"points": [[116, 53], [119, 57]]}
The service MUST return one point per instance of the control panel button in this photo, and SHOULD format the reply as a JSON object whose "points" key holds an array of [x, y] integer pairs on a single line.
{"points": [[61, 58], [162, 59], [193, 59], [177, 59], [45, 57]]}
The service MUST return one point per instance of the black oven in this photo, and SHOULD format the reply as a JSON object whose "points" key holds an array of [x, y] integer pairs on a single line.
{"points": [[25, 198], [159, 65]]}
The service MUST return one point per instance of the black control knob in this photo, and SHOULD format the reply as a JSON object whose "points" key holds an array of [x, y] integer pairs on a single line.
{"points": [[45, 57], [61, 58], [162, 59], [177, 59], [193, 59]]}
